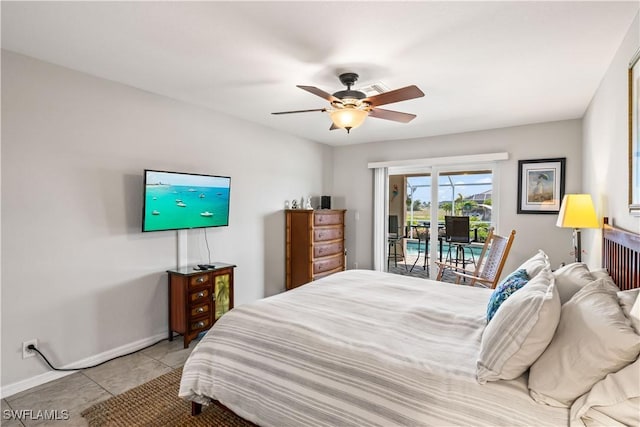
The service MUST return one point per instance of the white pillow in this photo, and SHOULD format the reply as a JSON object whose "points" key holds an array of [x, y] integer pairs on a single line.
{"points": [[535, 264], [519, 332], [609, 416], [593, 339], [571, 278], [616, 397], [630, 303], [600, 273]]}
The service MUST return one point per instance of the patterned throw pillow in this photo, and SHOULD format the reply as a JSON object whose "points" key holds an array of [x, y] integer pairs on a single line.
{"points": [[507, 286]]}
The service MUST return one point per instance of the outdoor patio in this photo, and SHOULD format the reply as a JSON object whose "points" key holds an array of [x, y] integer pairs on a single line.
{"points": [[413, 263]]}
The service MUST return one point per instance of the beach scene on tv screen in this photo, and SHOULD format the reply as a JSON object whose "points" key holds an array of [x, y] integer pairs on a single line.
{"points": [[174, 201]]}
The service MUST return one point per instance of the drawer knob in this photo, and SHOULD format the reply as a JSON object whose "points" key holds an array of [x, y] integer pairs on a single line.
{"points": [[200, 310], [200, 279], [201, 294], [200, 324]]}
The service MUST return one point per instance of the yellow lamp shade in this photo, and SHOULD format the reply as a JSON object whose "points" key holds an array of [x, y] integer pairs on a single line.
{"points": [[348, 117], [577, 211]]}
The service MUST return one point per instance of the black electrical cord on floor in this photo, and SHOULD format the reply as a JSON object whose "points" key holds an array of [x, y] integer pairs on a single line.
{"points": [[34, 348]]}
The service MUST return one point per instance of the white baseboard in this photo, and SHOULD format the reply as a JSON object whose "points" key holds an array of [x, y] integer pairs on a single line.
{"points": [[17, 387]]}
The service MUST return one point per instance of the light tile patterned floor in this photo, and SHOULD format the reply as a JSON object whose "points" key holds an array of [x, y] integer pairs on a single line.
{"points": [[82, 389]]}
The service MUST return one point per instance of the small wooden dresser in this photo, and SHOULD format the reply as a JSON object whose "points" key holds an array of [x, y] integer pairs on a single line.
{"points": [[314, 244], [197, 298]]}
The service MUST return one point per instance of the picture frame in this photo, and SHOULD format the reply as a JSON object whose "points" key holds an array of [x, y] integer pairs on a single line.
{"points": [[540, 185], [634, 137]]}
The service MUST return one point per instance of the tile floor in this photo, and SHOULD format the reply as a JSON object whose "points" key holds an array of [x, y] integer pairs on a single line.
{"points": [[80, 390], [406, 267]]}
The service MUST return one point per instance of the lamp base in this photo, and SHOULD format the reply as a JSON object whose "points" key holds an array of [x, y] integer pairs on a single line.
{"points": [[577, 246]]}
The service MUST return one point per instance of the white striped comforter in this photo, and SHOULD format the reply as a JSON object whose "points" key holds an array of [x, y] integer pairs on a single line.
{"points": [[359, 348]]}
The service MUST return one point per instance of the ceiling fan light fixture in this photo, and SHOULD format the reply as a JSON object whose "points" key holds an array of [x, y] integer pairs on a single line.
{"points": [[348, 117], [349, 108]]}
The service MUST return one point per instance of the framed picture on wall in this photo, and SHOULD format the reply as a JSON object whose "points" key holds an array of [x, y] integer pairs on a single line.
{"points": [[540, 185], [634, 136]]}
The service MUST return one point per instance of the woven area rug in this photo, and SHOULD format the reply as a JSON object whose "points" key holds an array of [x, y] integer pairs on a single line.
{"points": [[156, 403]]}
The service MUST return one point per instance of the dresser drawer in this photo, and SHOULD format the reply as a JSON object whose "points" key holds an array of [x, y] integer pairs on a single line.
{"points": [[328, 264], [327, 218], [330, 233], [198, 297], [326, 249], [198, 280], [199, 324], [200, 309]]}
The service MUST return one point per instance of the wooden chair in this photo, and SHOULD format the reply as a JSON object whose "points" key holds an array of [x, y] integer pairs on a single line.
{"points": [[490, 262]]}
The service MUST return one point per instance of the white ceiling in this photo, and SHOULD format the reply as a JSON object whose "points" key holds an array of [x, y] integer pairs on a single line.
{"points": [[482, 65]]}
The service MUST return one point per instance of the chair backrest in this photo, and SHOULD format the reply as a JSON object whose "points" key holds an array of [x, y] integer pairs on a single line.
{"points": [[393, 224], [393, 232], [457, 229], [421, 232], [493, 256]]}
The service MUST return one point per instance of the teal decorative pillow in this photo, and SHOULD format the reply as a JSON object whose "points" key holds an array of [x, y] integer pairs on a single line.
{"points": [[507, 286]]}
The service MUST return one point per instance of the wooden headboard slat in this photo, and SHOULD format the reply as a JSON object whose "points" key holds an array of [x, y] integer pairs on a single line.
{"points": [[621, 255]]}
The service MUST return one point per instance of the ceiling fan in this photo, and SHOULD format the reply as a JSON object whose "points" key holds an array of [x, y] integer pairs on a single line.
{"points": [[349, 108]]}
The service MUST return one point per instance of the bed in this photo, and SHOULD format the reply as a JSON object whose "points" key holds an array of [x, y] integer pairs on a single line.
{"points": [[370, 348]]}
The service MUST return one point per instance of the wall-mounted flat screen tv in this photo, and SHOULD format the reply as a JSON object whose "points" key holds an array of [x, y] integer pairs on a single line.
{"points": [[176, 200]]}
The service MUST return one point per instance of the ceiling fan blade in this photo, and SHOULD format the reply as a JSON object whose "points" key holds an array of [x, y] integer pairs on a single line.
{"points": [[396, 116], [397, 95], [301, 111], [319, 92]]}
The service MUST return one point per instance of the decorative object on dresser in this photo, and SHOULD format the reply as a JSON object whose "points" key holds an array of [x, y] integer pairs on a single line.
{"points": [[577, 212], [314, 245], [198, 297]]}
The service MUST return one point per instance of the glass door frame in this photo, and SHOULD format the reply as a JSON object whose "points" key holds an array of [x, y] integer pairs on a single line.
{"points": [[434, 166], [436, 172]]}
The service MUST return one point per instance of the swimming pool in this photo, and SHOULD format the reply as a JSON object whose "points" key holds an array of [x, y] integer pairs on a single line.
{"points": [[412, 248]]}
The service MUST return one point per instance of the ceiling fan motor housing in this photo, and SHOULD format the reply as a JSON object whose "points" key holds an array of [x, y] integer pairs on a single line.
{"points": [[348, 79], [352, 94]]}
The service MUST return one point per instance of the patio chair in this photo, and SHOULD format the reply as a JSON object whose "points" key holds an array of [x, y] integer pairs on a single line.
{"points": [[394, 237], [490, 262], [457, 236], [422, 235]]}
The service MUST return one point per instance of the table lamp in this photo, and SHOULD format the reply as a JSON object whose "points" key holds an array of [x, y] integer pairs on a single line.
{"points": [[576, 211]]}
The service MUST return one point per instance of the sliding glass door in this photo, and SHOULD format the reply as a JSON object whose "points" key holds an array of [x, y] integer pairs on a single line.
{"points": [[429, 197]]}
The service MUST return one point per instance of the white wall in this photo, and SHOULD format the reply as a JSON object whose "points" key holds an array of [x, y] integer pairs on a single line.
{"points": [[77, 273], [606, 142], [353, 182]]}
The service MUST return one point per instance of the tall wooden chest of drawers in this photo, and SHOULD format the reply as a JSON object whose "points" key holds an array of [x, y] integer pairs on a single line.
{"points": [[314, 244], [197, 298]]}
